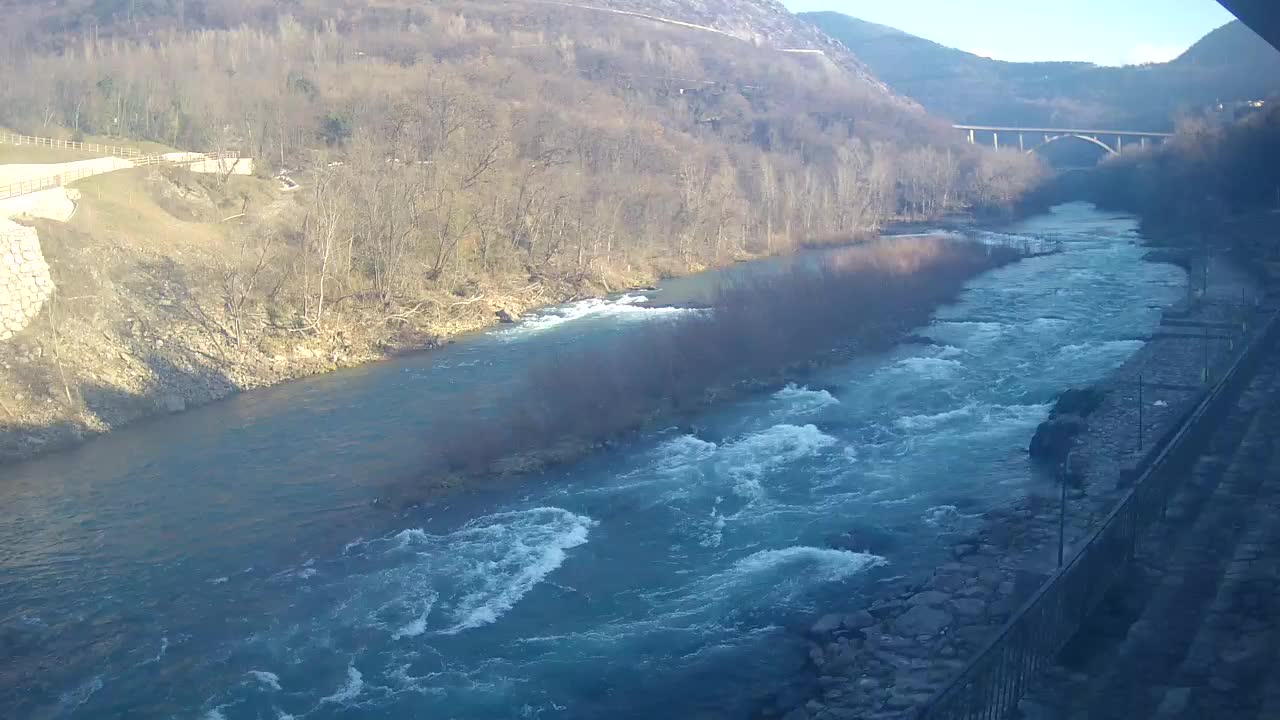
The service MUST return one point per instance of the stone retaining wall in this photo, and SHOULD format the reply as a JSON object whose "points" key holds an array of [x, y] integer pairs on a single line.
{"points": [[25, 283]]}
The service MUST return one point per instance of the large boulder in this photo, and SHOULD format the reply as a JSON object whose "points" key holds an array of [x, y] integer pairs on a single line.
{"points": [[1054, 438], [922, 620], [507, 317], [846, 622], [1080, 402]]}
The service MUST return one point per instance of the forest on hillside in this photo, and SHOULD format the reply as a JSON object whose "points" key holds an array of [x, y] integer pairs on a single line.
{"points": [[1200, 178], [441, 146]]}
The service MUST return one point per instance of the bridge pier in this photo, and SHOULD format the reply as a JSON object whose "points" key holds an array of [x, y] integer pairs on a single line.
{"points": [[995, 140], [970, 137], [1021, 145]]}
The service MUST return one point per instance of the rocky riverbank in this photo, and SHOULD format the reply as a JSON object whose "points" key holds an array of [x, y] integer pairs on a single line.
{"points": [[885, 658]]}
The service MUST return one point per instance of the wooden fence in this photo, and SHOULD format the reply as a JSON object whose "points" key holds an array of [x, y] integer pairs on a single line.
{"points": [[27, 187], [121, 152]]}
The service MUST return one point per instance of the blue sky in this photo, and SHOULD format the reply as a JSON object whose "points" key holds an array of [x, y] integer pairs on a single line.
{"points": [[1107, 32]]}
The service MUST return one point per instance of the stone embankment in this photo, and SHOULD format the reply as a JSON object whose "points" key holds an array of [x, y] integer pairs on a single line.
{"points": [[1191, 630], [883, 660], [25, 283]]}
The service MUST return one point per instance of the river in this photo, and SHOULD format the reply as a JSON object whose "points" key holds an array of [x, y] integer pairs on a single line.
{"points": [[231, 562]]}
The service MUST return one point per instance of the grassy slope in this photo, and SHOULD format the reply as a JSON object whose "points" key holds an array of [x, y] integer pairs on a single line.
{"points": [[126, 327], [139, 319]]}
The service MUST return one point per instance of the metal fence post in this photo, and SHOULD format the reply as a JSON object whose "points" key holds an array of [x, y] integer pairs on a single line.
{"points": [[1140, 411], [1062, 510]]}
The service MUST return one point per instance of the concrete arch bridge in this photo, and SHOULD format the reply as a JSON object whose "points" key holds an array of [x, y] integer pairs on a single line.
{"points": [[1032, 139]]}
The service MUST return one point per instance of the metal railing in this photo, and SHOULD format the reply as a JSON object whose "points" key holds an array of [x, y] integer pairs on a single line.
{"points": [[123, 152], [35, 185], [991, 684]]}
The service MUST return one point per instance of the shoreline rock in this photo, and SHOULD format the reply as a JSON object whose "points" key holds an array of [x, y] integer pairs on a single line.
{"points": [[1055, 437]]}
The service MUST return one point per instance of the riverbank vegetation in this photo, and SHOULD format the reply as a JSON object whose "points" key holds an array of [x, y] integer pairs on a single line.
{"points": [[1215, 183], [446, 144], [456, 161], [757, 333]]}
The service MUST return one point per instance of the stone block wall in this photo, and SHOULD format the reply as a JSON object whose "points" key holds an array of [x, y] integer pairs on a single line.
{"points": [[25, 283]]}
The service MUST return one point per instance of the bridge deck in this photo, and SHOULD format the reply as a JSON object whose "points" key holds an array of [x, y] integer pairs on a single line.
{"points": [[1063, 131]]}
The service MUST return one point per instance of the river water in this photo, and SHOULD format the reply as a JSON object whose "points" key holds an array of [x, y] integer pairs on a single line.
{"points": [[231, 562]]}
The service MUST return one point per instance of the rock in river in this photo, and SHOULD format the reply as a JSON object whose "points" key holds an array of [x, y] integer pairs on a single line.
{"points": [[1054, 438], [1080, 402]]}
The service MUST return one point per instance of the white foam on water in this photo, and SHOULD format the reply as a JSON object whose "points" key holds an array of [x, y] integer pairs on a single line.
{"points": [[1001, 419], [453, 582], [349, 690], [714, 534], [1049, 323], [623, 308], [417, 583], [928, 368], [79, 696], [214, 714], [418, 625], [919, 423], [817, 564], [748, 460], [268, 679], [682, 451], [763, 579], [976, 420], [515, 552], [968, 333], [894, 501], [802, 400], [1114, 350], [164, 647], [218, 580], [941, 515]]}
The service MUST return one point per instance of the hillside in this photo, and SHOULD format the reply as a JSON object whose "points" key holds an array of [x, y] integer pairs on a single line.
{"points": [[1230, 64], [457, 162]]}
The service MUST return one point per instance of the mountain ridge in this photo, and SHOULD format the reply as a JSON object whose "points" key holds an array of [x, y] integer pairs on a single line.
{"points": [[1229, 64]]}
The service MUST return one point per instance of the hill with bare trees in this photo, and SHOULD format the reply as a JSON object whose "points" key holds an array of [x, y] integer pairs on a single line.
{"points": [[457, 160]]}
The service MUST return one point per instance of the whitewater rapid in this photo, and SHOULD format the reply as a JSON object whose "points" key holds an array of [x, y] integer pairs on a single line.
{"points": [[660, 578]]}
